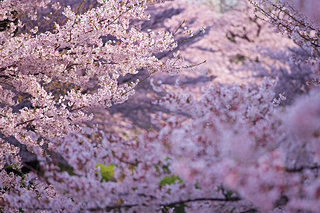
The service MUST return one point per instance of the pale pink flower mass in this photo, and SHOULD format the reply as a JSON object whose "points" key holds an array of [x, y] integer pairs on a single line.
{"points": [[151, 106]]}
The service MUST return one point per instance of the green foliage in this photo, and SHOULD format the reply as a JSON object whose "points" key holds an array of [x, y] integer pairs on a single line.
{"points": [[107, 172], [170, 180]]}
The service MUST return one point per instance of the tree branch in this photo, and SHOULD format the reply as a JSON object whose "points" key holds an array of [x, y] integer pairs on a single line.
{"points": [[109, 208]]}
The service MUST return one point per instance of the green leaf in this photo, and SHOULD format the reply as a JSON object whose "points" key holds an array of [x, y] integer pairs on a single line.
{"points": [[106, 171], [170, 180]]}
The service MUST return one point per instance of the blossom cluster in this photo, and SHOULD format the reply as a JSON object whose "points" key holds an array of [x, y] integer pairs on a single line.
{"points": [[50, 80], [236, 137]]}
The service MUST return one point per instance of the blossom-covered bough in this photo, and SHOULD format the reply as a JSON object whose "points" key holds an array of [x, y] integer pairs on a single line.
{"points": [[52, 78], [298, 19], [240, 147]]}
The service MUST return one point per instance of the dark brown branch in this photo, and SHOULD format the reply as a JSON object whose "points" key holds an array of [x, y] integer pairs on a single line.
{"points": [[109, 208], [300, 169]]}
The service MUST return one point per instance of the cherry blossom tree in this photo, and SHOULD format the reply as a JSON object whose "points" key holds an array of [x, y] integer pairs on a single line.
{"points": [[237, 148], [51, 80]]}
